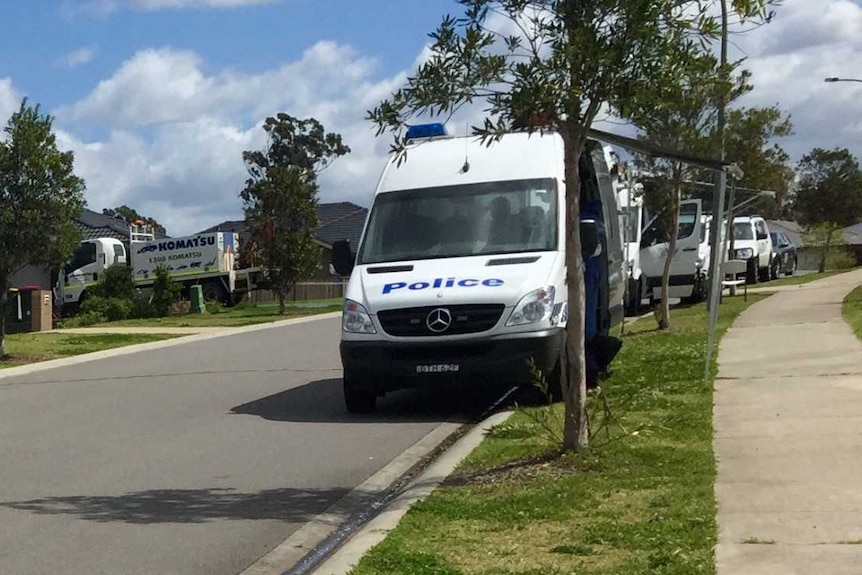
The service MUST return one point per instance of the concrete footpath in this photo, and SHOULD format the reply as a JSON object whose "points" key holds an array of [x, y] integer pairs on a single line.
{"points": [[788, 436]]}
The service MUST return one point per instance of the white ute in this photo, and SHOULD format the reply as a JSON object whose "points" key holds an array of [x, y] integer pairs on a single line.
{"points": [[460, 274]]}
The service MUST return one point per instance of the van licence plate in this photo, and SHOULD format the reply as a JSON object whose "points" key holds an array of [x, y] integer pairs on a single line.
{"points": [[439, 368]]}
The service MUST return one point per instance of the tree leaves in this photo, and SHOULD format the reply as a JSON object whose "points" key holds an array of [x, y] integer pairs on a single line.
{"points": [[830, 188], [40, 195], [280, 197]]}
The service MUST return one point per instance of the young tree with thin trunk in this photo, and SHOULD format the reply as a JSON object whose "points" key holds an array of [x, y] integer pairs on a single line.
{"points": [[680, 112], [550, 64], [40, 196], [280, 197]]}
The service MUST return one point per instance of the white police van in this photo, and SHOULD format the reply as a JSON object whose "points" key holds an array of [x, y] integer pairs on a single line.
{"points": [[460, 273]]}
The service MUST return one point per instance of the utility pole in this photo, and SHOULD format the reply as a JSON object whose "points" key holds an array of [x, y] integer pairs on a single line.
{"points": [[715, 251]]}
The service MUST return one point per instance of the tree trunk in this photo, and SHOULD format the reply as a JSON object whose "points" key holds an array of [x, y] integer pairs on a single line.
{"points": [[825, 252], [281, 294], [572, 356], [664, 316], [4, 304]]}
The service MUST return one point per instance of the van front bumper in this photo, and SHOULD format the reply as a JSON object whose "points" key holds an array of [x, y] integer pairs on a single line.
{"points": [[387, 366]]}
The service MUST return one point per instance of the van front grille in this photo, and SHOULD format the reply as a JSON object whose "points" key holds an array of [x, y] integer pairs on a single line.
{"points": [[440, 320]]}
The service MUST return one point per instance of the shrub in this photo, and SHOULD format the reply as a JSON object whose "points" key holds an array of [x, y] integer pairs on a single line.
{"points": [[840, 258], [85, 319], [166, 292], [110, 308], [141, 307], [214, 307], [116, 282]]}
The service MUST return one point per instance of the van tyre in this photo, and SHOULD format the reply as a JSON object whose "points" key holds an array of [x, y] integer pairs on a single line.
{"points": [[358, 398], [792, 269], [764, 273], [751, 272], [633, 303]]}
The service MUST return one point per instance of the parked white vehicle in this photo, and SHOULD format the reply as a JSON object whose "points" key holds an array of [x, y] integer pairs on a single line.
{"points": [[690, 260], [204, 259], [460, 274], [753, 244], [632, 220]]}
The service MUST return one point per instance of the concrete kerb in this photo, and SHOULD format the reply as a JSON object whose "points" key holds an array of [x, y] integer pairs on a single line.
{"points": [[376, 530], [311, 534], [145, 347]]}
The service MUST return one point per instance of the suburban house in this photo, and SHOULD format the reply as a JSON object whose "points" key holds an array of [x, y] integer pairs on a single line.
{"points": [[337, 221]]}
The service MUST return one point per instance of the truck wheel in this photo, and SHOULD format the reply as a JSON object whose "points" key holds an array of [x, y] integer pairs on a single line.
{"points": [[214, 291], [357, 398]]}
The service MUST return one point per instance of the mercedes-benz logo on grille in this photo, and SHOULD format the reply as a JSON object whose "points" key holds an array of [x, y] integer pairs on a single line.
{"points": [[439, 320]]}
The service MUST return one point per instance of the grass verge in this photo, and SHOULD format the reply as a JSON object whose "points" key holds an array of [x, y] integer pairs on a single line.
{"points": [[28, 348], [852, 310], [799, 280], [239, 316], [639, 501]]}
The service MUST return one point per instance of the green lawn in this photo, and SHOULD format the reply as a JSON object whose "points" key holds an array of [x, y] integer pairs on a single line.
{"points": [[242, 315], [799, 280], [27, 348], [640, 501], [853, 310]]}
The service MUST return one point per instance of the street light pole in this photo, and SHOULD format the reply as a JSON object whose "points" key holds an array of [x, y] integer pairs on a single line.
{"points": [[834, 79]]}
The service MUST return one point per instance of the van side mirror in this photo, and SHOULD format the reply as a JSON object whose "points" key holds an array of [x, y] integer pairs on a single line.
{"points": [[590, 242], [342, 258], [762, 236]]}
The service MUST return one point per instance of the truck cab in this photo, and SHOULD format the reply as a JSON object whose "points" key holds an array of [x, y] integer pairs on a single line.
{"points": [[460, 274], [88, 263]]}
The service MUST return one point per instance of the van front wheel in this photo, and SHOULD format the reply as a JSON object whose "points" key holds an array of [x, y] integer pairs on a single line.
{"points": [[358, 398]]}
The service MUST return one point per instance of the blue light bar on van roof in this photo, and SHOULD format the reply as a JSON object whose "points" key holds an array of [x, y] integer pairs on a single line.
{"points": [[426, 131]]}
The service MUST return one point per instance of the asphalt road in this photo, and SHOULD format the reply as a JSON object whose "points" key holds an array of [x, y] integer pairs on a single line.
{"points": [[195, 459]]}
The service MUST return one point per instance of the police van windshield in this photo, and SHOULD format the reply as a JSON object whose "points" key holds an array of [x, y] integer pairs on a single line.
{"points": [[456, 221]]}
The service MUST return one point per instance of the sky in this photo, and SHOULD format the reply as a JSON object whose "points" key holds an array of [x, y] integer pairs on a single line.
{"points": [[159, 98]]}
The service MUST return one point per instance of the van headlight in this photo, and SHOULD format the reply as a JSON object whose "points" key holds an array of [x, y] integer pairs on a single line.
{"points": [[536, 306], [356, 319], [745, 253]]}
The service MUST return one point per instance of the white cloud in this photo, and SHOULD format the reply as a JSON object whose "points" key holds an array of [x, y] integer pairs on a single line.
{"points": [[79, 57], [176, 129], [10, 100], [790, 57], [165, 85], [177, 133]]}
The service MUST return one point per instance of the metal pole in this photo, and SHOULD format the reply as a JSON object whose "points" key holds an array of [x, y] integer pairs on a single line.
{"points": [[729, 234], [718, 195], [714, 274]]}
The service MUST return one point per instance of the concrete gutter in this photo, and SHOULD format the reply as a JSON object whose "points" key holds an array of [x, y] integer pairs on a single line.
{"points": [[376, 530]]}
